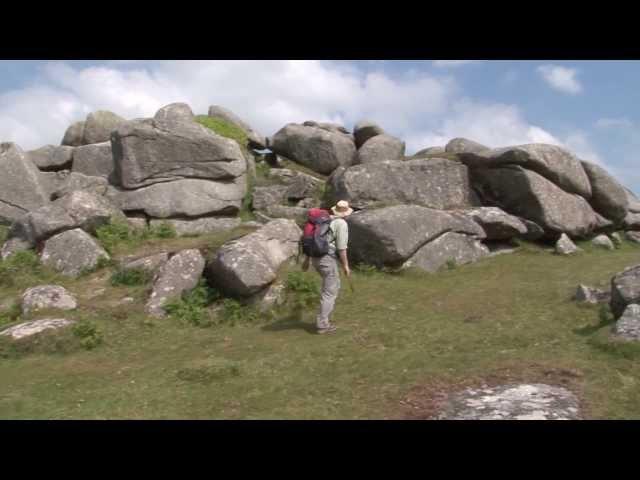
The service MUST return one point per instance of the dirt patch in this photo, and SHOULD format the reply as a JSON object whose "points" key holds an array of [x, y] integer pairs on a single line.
{"points": [[426, 400]]}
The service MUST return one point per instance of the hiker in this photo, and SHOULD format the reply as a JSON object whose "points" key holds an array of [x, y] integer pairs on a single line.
{"points": [[324, 243]]}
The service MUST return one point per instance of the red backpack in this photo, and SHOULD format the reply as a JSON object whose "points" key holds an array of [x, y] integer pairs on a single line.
{"points": [[315, 236]]}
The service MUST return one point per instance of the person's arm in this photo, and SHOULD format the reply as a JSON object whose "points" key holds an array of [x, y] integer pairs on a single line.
{"points": [[345, 261], [342, 240]]}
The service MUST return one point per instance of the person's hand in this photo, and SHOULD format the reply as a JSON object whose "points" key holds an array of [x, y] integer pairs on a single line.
{"points": [[347, 271]]}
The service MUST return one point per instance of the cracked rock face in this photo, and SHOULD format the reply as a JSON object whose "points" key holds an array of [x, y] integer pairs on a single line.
{"points": [[513, 402], [21, 187], [434, 183], [391, 235], [156, 152]]}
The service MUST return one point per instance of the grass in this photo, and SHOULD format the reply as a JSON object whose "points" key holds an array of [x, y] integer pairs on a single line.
{"points": [[117, 234], [509, 316], [224, 129], [130, 277], [4, 233]]}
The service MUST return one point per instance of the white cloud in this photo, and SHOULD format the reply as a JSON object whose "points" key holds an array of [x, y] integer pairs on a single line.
{"points": [[452, 63], [423, 109], [492, 124], [268, 94], [561, 78]]}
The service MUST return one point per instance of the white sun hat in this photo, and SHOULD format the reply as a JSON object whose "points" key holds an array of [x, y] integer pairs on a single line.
{"points": [[342, 209]]}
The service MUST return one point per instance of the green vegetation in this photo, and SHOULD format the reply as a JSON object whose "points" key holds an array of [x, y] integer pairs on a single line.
{"points": [[504, 319], [10, 314], [4, 233], [224, 129], [119, 233], [209, 370], [193, 306], [88, 333], [130, 277], [22, 269]]}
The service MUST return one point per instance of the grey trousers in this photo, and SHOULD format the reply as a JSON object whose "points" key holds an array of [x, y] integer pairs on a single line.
{"points": [[327, 267]]}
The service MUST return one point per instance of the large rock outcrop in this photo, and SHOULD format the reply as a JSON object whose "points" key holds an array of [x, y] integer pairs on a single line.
{"points": [[528, 194], [389, 236], [430, 151], [200, 226], [435, 183], [184, 198], [608, 197], [99, 125], [316, 148], [632, 221], [497, 224], [21, 187], [59, 184], [555, 164], [628, 325], [178, 275], [248, 265], [95, 160], [365, 130], [633, 203], [625, 290], [74, 135], [147, 153], [449, 247], [88, 211], [464, 145], [52, 157], [380, 148], [255, 139]]}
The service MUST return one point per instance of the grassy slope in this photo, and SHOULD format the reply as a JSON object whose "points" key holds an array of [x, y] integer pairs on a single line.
{"points": [[396, 333]]}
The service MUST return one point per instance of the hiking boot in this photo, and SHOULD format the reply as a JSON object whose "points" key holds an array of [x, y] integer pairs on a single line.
{"points": [[330, 329]]}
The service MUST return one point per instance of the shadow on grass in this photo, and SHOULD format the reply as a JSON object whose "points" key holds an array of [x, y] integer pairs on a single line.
{"points": [[606, 319], [293, 321]]}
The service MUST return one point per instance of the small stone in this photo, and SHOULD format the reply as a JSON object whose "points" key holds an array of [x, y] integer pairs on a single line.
{"points": [[564, 246], [591, 295], [603, 241]]}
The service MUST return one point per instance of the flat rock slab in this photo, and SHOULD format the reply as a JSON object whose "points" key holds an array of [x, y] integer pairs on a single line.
{"points": [[47, 296], [28, 329], [513, 402]]}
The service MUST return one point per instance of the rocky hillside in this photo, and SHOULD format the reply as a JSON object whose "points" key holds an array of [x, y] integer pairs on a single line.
{"points": [[197, 218], [196, 175]]}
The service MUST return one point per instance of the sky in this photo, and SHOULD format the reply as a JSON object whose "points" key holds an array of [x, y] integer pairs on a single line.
{"points": [[588, 107]]}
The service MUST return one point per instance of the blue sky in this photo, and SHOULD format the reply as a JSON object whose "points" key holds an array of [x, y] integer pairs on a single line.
{"points": [[587, 106]]}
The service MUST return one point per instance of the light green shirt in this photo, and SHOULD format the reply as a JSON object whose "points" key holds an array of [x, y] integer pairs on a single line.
{"points": [[340, 235]]}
